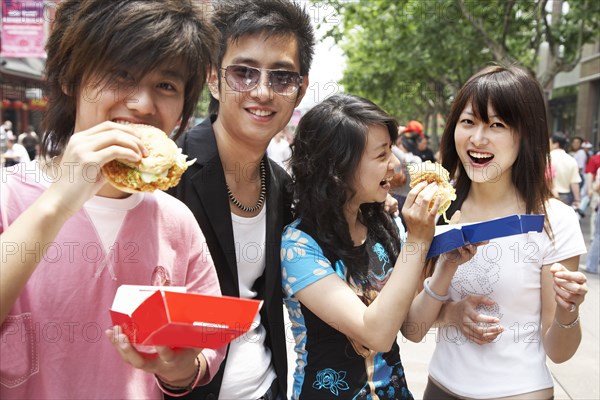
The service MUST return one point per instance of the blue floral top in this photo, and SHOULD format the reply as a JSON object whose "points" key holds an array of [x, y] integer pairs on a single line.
{"points": [[330, 365]]}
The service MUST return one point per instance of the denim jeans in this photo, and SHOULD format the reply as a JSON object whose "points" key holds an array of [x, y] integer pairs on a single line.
{"points": [[593, 257]]}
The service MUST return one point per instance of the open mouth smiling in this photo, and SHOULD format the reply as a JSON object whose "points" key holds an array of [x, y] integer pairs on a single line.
{"points": [[386, 181], [478, 157]]}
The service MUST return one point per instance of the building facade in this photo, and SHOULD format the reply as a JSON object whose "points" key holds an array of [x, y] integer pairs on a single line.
{"points": [[588, 97], [574, 101]]}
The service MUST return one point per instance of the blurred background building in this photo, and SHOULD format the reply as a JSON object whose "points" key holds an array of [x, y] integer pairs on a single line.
{"points": [[24, 28], [574, 99]]}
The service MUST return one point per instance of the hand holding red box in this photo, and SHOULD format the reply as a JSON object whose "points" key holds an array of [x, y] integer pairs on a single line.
{"points": [[167, 316]]}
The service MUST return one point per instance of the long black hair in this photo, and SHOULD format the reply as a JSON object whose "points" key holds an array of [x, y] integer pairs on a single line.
{"points": [[518, 100], [329, 143]]}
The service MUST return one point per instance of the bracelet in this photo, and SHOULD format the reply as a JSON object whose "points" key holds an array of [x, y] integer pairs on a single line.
{"points": [[568, 326], [167, 388], [431, 294]]}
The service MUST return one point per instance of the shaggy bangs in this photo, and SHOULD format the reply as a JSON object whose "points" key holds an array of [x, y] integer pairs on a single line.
{"points": [[103, 39], [147, 49], [517, 99], [238, 18], [139, 35], [499, 92]]}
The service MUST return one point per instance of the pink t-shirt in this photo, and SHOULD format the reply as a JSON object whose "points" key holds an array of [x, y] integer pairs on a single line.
{"points": [[52, 343]]}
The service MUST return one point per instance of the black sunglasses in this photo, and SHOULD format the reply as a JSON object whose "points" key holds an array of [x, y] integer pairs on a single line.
{"points": [[242, 78]]}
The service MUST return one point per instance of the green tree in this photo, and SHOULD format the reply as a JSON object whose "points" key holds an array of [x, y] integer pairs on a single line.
{"points": [[203, 102], [411, 56]]}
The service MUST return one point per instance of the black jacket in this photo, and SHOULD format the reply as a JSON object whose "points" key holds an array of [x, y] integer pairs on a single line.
{"points": [[203, 190]]}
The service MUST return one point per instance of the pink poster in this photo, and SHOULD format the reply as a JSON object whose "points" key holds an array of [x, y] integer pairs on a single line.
{"points": [[23, 29]]}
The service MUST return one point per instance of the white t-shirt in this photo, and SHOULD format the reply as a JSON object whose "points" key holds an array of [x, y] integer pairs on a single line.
{"points": [[106, 214], [19, 152], [508, 271], [581, 157], [565, 171], [248, 372]]}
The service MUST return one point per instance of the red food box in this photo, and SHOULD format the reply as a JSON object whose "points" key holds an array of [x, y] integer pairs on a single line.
{"points": [[167, 316]]}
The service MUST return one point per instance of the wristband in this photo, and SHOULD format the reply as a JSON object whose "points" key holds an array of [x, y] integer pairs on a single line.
{"points": [[433, 295], [568, 326], [180, 390]]}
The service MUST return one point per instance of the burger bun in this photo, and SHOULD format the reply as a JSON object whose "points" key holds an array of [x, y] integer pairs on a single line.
{"points": [[161, 169], [434, 172]]}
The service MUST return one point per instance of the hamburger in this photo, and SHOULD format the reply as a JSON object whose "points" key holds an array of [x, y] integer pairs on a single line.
{"points": [[434, 172], [161, 169]]}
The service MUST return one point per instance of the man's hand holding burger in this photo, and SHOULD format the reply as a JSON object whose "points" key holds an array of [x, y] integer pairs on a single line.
{"points": [[76, 176], [161, 169], [132, 157]]}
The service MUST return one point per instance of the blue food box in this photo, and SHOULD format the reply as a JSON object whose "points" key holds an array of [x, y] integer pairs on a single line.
{"points": [[450, 237]]}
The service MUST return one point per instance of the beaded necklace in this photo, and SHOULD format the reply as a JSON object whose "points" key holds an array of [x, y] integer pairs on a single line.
{"points": [[261, 198]]}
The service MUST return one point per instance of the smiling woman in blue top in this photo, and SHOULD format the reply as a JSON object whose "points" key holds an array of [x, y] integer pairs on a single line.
{"points": [[348, 280]]}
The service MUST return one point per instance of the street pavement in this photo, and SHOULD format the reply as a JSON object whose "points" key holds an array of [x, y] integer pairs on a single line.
{"points": [[577, 378]]}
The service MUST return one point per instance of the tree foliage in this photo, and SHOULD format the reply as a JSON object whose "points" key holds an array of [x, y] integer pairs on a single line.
{"points": [[203, 102], [411, 56]]}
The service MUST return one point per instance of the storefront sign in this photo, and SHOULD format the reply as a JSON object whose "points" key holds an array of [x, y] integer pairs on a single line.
{"points": [[23, 29]]}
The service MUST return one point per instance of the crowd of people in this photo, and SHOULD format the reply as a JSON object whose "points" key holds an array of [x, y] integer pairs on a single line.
{"points": [[305, 220], [17, 149]]}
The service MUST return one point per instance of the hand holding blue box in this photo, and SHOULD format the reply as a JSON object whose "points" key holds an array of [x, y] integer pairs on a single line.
{"points": [[450, 237]]}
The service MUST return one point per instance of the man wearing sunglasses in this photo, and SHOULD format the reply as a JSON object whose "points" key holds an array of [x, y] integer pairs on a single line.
{"points": [[237, 194]]}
